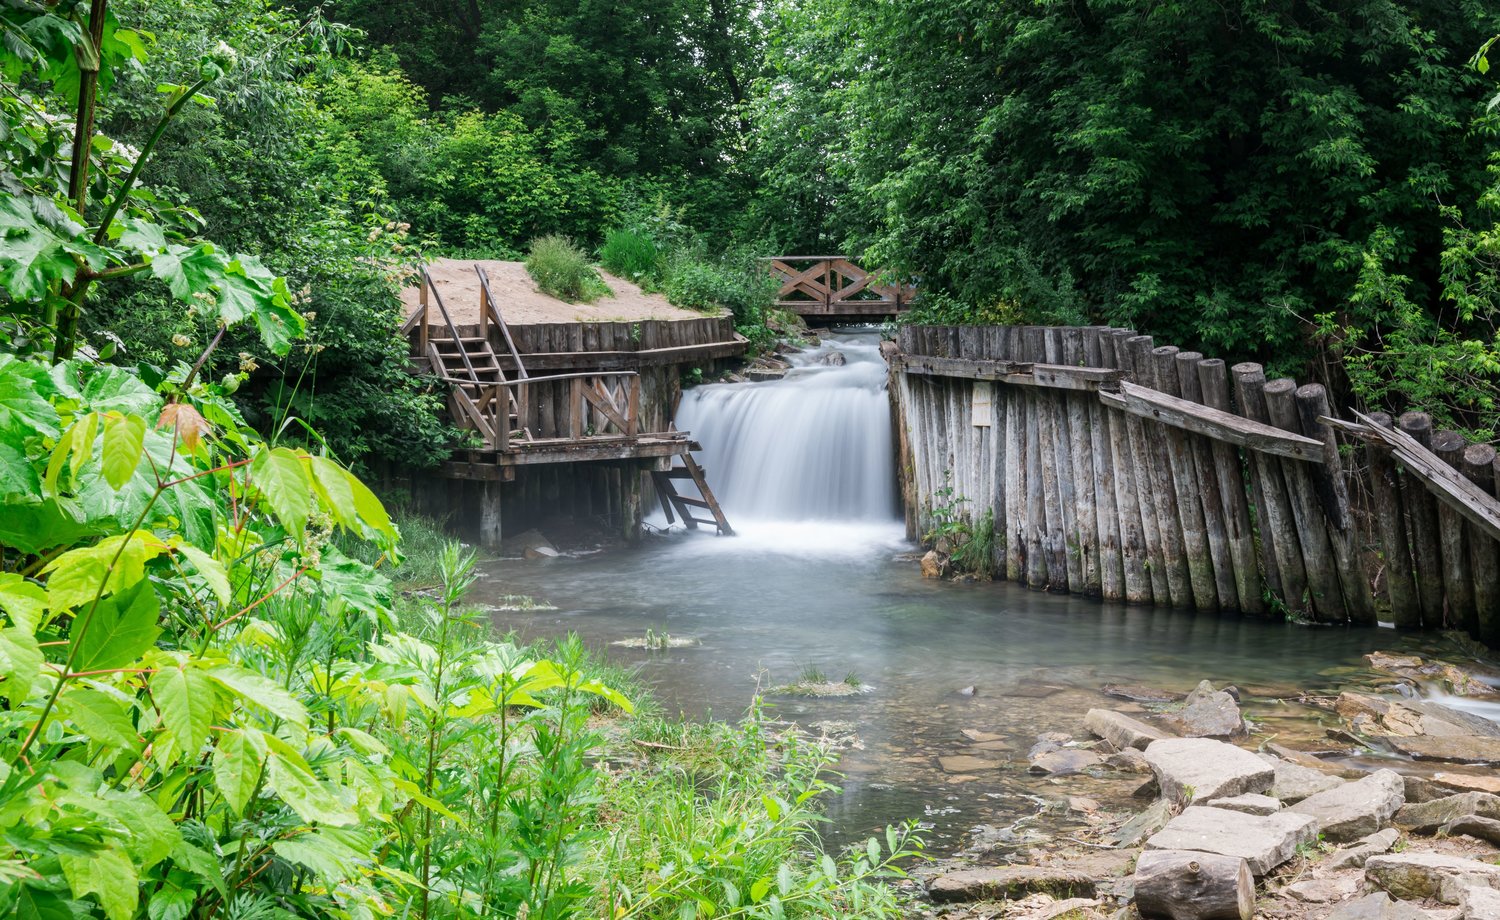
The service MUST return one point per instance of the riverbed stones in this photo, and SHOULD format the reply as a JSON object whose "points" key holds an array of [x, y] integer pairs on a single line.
{"points": [[1208, 713], [1447, 748], [1293, 783], [1139, 694], [1356, 855], [1467, 782], [1427, 817], [933, 564], [1263, 841], [1129, 760], [1413, 876], [967, 763], [1143, 825], [1479, 903], [1480, 828], [1377, 906], [1198, 770], [1356, 809], [1250, 803], [1064, 761], [1121, 730], [1009, 882]]}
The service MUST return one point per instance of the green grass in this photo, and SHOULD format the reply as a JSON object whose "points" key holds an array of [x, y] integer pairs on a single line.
{"points": [[563, 270], [422, 542], [630, 254]]}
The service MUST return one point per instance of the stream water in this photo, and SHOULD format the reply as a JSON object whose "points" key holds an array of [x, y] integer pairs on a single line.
{"points": [[815, 579]]}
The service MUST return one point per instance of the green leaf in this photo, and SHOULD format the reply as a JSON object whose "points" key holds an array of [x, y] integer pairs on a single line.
{"points": [[259, 691], [151, 834], [186, 699], [239, 758], [25, 601], [23, 662], [78, 576], [293, 780], [201, 863], [282, 478], [330, 859], [171, 903], [17, 474], [37, 256], [74, 447], [109, 875], [24, 409], [40, 904], [122, 629], [38, 526], [124, 442], [209, 568], [371, 511], [100, 716], [758, 890], [362, 741], [111, 388]]}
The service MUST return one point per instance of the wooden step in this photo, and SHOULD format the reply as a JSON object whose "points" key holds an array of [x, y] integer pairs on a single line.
{"points": [[680, 472], [695, 502]]}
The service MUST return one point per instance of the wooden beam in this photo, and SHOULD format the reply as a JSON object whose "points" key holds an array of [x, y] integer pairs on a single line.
{"points": [[1018, 373], [483, 472], [1450, 486], [596, 449], [1213, 423]]}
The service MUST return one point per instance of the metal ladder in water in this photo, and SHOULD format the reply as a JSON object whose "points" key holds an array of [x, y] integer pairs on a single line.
{"points": [[667, 494]]}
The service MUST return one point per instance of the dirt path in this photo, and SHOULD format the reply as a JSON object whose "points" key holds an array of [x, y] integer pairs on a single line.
{"points": [[522, 303]]}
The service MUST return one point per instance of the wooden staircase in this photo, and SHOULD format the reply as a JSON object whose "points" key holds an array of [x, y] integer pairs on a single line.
{"points": [[666, 493]]}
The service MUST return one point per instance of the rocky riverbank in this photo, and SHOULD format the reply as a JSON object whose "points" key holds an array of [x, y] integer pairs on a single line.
{"points": [[1393, 814]]}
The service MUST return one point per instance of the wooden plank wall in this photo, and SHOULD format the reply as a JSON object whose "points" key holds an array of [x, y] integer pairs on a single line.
{"points": [[1137, 490], [647, 335]]}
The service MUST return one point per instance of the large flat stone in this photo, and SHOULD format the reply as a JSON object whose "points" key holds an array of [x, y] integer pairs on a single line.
{"points": [[1263, 841], [1010, 882], [1199, 770], [1294, 782], [1356, 809], [1414, 876], [1354, 857], [1481, 828], [1250, 803], [1121, 730], [1377, 906], [1467, 782], [1426, 817], [1448, 748], [1478, 903]]}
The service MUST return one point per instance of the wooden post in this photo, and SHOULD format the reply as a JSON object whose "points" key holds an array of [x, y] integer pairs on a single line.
{"points": [[1422, 524], [1068, 486], [1158, 464], [1086, 519], [1457, 586], [1212, 503], [1141, 464], [484, 312], [1046, 532], [1312, 527], [1229, 470], [1188, 502], [1000, 471], [1390, 526], [491, 531], [1134, 556], [1111, 573], [1333, 493], [422, 322], [1484, 550], [1281, 554]]}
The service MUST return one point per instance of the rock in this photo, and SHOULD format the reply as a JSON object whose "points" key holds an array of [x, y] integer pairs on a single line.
{"points": [[1082, 804], [1301, 758], [1355, 856], [1317, 890], [1479, 903], [1121, 730], [1064, 762], [833, 359], [1264, 841], [965, 763], [933, 565], [1059, 908], [1143, 825], [1249, 803], [1197, 770], [1356, 809], [1481, 828], [1455, 749], [1377, 906], [979, 737], [1128, 761], [1466, 722], [970, 690], [530, 544], [1352, 705], [1182, 885], [1293, 783], [1467, 782], [1209, 713], [1010, 882], [1413, 668], [1414, 876], [1138, 694], [542, 552], [1426, 817]]}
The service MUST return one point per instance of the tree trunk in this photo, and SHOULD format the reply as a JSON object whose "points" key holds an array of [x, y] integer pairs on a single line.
{"points": [[1183, 885]]}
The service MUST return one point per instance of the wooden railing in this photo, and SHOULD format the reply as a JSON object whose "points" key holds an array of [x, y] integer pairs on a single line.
{"points": [[835, 286], [513, 415], [490, 311]]}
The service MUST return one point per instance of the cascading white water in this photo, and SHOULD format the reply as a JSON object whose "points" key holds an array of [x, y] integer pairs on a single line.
{"points": [[815, 445]]}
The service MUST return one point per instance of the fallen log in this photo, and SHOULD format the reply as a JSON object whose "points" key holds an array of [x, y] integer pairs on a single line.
{"points": [[1184, 885]]}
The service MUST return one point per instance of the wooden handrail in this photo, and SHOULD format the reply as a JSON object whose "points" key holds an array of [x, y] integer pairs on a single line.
{"points": [[452, 329], [493, 310], [516, 383]]}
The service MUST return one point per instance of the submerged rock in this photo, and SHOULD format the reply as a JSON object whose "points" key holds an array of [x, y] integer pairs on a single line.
{"points": [[1139, 694], [967, 763], [1064, 761]]}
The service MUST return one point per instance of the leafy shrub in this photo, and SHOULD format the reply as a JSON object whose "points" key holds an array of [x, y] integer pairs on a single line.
{"points": [[738, 284], [630, 254], [561, 269]]}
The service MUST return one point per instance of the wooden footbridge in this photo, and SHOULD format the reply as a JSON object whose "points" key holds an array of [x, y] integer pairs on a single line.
{"points": [[603, 396], [834, 289]]}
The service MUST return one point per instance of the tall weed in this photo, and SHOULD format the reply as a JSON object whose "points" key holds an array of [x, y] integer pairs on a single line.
{"points": [[630, 254], [563, 270]]}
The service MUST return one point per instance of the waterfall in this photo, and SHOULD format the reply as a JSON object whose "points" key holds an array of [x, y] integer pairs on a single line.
{"points": [[815, 445]]}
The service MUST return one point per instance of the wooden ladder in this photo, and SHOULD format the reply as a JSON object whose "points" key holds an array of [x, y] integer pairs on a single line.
{"points": [[667, 494]]}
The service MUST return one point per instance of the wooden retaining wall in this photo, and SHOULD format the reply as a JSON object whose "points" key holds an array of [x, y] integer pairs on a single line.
{"points": [[1116, 468]]}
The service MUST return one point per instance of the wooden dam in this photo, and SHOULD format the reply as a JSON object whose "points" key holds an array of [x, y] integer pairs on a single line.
{"points": [[1112, 467]]}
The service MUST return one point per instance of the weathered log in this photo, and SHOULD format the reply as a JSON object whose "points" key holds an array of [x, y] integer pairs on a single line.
{"points": [[1390, 526], [490, 528], [1333, 492], [1065, 528], [1160, 444], [1107, 515], [1187, 496], [1458, 588], [1230, 471], [1214, 524], [1484, 550], [1041, 567], [1325, 588], [1134, 553], [1143, 456], [1186, 885], [1080, 431], [1422, 524]]}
